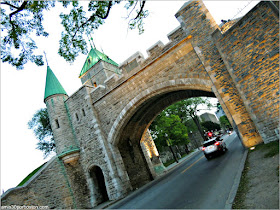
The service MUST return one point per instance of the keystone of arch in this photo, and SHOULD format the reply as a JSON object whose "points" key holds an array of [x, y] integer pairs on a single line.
{"points": [[166, 86]]}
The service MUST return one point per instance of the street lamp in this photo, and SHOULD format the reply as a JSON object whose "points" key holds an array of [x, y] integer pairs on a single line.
{"points": [[194, 139], [169, 145]]}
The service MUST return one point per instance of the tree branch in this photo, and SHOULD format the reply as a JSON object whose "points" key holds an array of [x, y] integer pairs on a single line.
{"points": [[11, 22], [10, 5], [141, 9], [18, 9], [109, 7], [91, 18], [132, 10]]}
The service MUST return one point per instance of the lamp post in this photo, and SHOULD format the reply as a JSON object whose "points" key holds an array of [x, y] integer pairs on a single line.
{"points": [[169, 145], [194, 140]]}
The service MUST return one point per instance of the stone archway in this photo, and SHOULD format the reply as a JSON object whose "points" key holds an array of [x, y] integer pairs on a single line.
{"points": [[139, 116]]}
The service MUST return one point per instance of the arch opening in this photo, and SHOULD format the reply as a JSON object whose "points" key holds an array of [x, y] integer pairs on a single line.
{"points": [[98, 185], [132, 131]]}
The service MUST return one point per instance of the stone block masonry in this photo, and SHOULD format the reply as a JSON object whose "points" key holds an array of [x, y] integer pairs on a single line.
{"points": [[49, 187], [250, 50], [201, 29]]}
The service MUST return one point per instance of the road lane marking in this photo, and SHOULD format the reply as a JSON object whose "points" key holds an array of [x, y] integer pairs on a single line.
{"points": [[191, 165]]}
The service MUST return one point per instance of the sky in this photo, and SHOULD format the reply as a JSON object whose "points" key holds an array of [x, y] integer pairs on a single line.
{"points": [[22, 92]]}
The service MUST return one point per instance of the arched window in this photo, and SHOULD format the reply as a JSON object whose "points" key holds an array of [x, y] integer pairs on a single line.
{"points": [[77, 117], [57, 123]]}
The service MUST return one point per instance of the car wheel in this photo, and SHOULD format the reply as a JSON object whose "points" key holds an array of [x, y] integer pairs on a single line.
{"points": [[207, 157]]}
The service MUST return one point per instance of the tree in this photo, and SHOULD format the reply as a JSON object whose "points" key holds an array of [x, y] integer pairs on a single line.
{"points": [[225, 122], [208, 125], [40, 124], [22, 19], [188, 109], [168, 128]]}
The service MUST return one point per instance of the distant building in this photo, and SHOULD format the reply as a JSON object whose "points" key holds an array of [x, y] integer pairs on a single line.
{"points": [[220, 112], [209, 117]]}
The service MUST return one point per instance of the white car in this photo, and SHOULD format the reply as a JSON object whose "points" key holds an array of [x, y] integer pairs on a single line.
{"points": [[213, 146]]}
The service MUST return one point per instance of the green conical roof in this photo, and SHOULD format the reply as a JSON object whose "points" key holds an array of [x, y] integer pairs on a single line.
{"points": [[93, 57], [53, 86]]}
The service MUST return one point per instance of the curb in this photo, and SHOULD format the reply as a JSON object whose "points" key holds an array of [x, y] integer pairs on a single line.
{"points": [[236, 182]]}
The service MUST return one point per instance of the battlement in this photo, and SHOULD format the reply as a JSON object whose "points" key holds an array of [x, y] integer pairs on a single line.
{"points": [[132, 62], [136, 63], [176, 34], [155, 49]]}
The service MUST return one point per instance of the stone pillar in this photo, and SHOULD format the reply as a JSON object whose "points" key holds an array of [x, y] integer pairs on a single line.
{"points": [[196, 21], [151, 155], [118, 180]]}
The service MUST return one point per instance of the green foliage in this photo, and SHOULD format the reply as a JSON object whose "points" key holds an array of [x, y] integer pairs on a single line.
{"points": [[169, 162], [19, 20], [138, 21], [224, 122], [40, 124], [30, 175], [168, 128], [176, 121], [208, 125], [187, 110], [22, 19]]}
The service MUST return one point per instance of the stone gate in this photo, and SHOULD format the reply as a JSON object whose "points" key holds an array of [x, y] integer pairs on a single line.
{"points": [[99, 128]]}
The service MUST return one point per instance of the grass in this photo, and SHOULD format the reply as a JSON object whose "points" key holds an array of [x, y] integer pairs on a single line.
{"points": [[242, 189], [169, 162], [30, 175], [271, 149]]}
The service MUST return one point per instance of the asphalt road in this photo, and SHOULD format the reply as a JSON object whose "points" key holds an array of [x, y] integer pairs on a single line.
{"points": [[197, 183]]}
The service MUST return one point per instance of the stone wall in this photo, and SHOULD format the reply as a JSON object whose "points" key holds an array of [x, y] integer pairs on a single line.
{"points": [[94, 149], [250, 50], [198, 22], [153, 75], [48, 187]]}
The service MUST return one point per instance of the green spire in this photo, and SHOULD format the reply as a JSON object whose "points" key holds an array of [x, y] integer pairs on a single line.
{"points": [[93, 57], [53, 86]]}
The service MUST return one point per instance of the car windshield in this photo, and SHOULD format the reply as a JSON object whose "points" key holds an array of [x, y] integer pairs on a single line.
{"points": [[206, 144]]}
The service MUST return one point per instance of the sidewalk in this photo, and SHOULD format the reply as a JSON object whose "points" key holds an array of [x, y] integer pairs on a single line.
{"points": [[259, 185], [150, 184], [175, 164]]}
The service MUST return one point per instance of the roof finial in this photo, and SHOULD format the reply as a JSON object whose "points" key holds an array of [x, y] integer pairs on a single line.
{"points": [[91, 41], [46, 58]]}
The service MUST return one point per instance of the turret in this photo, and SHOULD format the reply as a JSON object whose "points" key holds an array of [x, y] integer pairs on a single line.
{"points": [[97, 68], [64, 136]]}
